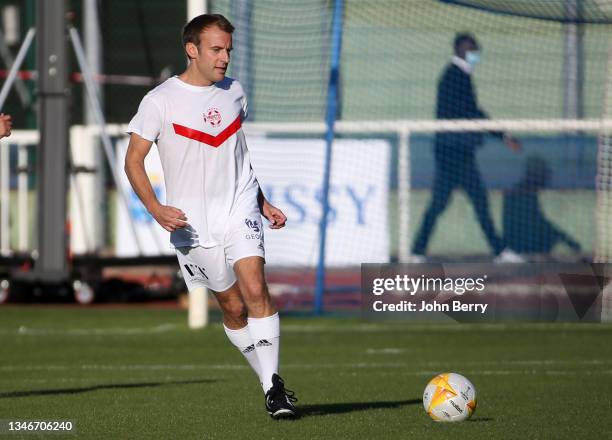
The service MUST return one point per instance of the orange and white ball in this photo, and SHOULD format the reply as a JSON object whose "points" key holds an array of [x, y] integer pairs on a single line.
{"points": [[449, 397]]}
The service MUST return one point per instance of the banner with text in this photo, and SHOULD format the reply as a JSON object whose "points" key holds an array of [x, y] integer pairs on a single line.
{"points": [[290, 172]]}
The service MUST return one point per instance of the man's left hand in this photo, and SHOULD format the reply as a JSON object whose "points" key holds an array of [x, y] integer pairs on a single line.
{"points": [[274, 215]]}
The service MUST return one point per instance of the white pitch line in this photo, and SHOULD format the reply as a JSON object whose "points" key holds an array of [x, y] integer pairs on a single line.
{"points": [[388, 350], [408, 327], [426, 373], [89, 380], [499, 373], [357, 365], [112, 331], [441, 327], [394, 351]]}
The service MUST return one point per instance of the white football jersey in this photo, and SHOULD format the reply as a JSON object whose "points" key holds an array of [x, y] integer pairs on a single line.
{"points": [[203, 153]]}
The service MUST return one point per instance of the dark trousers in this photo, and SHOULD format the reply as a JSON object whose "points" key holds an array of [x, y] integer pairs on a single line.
{"points": [[448, 176]]}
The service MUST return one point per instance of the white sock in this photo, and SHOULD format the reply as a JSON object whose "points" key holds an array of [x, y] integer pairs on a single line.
{"points": [[241, 339], [265, 334]]}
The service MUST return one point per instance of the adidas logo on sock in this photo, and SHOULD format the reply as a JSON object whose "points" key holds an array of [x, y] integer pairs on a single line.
{"points": [[249, 349], [263, 343]]}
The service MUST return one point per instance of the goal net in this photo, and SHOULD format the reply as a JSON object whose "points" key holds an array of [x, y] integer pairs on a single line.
{"points": [[544, 77], [604, 179]]}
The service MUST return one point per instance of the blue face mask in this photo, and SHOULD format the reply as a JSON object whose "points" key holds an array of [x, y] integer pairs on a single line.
{"points": [[472, 57]]}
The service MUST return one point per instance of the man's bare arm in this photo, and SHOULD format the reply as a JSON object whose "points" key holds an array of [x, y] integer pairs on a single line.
{"points": [[169, 217], [274, 215]]}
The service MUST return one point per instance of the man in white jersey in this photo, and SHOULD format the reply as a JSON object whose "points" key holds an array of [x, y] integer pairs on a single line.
{"points": [[214, 202]]}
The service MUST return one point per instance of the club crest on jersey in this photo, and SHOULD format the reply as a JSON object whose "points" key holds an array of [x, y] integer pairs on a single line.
{"points": [[212, 117]]}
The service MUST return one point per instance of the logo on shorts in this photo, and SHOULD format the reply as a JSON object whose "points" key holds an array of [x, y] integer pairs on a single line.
{"points": [[195, 270], [212, 117], [255, 232], [253, 224]]}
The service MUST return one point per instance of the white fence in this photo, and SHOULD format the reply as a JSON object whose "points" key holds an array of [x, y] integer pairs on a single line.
{"points": [[86, 201]]}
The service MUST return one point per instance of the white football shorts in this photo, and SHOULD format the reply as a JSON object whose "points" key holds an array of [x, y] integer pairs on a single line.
{"points": [[214, 267]]}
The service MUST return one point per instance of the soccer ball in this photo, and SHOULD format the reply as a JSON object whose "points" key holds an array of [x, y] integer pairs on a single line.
{"points": [[449, 397]]}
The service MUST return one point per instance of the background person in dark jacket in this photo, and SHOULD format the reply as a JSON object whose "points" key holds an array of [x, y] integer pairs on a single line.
{"points": [[455, 159]]}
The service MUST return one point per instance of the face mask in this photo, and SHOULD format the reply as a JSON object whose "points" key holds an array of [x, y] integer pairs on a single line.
{"points": [[472, 57]]}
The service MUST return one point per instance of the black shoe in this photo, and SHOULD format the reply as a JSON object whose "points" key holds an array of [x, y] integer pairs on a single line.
{"points": [[279, 401]]}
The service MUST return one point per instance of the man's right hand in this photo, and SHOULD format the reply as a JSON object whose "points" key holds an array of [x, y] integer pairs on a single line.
{"points": [[169, 217]]}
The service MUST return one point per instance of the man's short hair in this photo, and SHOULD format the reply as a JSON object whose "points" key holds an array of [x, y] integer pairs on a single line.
{"points": [[193, 29], [464, 37]]}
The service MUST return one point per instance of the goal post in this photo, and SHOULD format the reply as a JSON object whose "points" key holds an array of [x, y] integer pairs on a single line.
{"points": [[604, 176]]}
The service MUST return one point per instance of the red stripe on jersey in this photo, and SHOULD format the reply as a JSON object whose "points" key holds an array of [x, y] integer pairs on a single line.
{"points": [[205, 138]]}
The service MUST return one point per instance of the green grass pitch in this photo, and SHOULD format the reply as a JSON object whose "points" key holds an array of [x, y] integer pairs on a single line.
{"points": [[141, 374]]}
